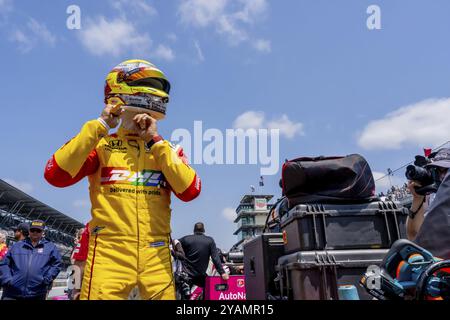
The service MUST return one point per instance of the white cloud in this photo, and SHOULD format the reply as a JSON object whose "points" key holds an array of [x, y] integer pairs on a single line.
{"points": [[234, 34], [257, 120], [200, 55], [229, 18], [251, 9], [134, 7], [28, 38], [229, 214], [41, 32], [201, 13], [262, 45], [163, 52], [423, 124], [24, 186], [250, 120], [24, 43], [287, 128], [81, 203], [115, 37]]}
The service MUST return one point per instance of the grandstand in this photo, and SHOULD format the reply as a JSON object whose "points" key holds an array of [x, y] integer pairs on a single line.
{"points": [[17, 206], [398, 193]]}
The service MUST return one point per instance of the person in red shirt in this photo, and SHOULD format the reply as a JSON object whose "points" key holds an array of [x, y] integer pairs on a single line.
{"points": [[79, 258], [3, 246]]}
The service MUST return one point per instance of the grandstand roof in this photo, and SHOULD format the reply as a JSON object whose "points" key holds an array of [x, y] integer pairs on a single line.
{"points": [[17, 202]]}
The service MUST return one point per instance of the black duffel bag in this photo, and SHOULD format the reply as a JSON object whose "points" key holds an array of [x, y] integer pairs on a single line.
{"points": [[346, 179]]}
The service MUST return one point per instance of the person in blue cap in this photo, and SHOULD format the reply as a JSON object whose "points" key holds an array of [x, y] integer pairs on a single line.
{"points": [[30, 266]]}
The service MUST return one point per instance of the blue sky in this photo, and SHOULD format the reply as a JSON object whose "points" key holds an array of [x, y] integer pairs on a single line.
{"points": [[312, 68]]}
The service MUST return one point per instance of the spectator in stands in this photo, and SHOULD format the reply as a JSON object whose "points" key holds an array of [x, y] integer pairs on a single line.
{"points": [[429, 224], [21, 232], [198, 248], [3, 246], [30, 266]]}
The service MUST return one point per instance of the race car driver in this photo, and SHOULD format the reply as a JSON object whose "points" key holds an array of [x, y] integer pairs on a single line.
{"points": [[131, 176]]}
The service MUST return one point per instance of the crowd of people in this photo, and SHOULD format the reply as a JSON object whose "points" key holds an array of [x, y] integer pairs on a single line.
{"points": [[29, 266], [396, 193]]}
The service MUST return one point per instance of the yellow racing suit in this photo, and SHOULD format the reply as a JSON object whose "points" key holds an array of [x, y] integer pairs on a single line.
{"points": [[130, 183]]}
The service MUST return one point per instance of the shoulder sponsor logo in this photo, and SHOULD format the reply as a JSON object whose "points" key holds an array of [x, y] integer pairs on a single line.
{"points": [[115, 143], [148, 178]]}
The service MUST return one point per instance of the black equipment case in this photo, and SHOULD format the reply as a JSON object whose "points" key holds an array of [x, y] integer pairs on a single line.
{"points": [[346, 179], [260, 259], [374, 225], [317, 275]]}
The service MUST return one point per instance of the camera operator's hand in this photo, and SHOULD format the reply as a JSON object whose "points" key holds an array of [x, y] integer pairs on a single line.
{"points": [[110, 115], [418, 206], [411, 187]]}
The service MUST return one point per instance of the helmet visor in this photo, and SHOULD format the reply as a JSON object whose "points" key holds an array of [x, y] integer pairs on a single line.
{"points": [[156, 83], [146, 77]]}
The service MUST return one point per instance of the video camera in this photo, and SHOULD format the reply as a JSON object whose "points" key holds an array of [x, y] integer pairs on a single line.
{"points": [[428, 177]]}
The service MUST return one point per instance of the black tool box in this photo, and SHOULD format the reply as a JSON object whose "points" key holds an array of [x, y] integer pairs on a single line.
{"points": [[373, 225], [317, 275], [260, 259]]}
